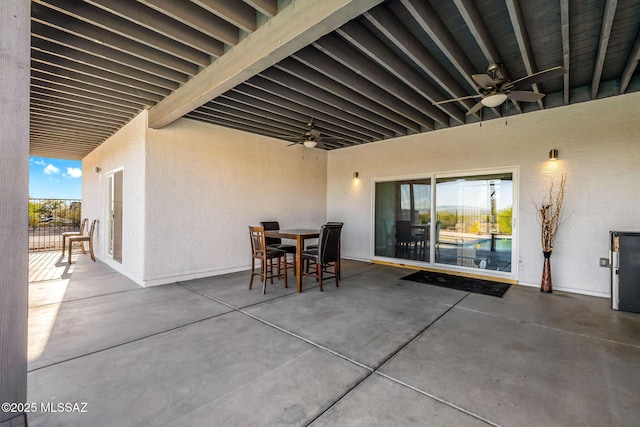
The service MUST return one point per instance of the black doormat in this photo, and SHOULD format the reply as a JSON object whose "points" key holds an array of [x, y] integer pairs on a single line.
{"points": [[467, 284]]}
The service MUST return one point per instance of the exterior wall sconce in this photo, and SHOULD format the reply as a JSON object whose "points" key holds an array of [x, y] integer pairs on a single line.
{"points": [[98, 170], [356, 175], [553, 154]]}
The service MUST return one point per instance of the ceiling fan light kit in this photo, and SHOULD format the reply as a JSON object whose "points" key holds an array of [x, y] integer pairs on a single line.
{"points": [[493, 100], [494, 89], [310, 143]]}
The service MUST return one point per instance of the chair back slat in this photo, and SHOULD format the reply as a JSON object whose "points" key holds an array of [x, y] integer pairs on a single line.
{"points": [[257, 240], [83, 225]]}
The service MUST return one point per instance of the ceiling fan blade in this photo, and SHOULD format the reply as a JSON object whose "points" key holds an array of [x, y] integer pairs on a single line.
{"points": [[314, 133], [483, 80], [538, 77], [475, 108], [524, 96], [455, 99]]}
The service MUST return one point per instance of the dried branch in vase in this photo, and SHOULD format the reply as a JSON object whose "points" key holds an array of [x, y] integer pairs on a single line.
{"points": [[549, 215]]}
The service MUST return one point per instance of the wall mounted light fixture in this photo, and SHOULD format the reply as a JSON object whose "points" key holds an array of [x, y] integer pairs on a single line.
{"points": [[553, 154], [98, 170], [356, 175]]}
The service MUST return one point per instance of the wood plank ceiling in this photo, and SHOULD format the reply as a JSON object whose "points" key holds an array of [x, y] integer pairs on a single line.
{"points": [[96, 64]]}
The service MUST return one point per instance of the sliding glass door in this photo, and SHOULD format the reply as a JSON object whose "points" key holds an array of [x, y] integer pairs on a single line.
{"points": [[474, 221], [472, 227]]}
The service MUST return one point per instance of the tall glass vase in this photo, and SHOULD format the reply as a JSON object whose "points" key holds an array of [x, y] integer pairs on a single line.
{"points": [[545, 286]]}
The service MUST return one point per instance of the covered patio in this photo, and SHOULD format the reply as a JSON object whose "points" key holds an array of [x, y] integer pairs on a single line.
{"points": [[378, 350]]}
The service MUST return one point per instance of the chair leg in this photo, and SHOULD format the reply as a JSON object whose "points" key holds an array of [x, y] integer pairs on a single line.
{"points": [[70, 249], [319, 275], [336, 272], [253, 269], [64, 243], [91, 250], [285, 271]]}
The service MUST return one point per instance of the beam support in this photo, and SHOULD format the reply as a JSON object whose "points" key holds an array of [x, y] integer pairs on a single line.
{"points": [[296, 26]]}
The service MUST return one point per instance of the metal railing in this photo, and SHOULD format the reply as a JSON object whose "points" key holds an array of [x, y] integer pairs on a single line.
{"points": [[49, 218]]}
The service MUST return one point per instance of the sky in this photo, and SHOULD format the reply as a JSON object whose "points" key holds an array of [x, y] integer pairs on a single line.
{"points": [[55, 178]]}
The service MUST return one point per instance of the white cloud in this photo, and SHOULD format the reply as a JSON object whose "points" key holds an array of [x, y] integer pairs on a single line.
{"points": [[40, 162], [51, 170], [73, 173]]}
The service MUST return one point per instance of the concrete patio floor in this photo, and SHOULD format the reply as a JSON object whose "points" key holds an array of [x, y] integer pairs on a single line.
{"points": [[375, 351]]}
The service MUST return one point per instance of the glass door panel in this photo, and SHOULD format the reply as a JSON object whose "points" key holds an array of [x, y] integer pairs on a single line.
{"points": [[474, 220], [402, 215]]}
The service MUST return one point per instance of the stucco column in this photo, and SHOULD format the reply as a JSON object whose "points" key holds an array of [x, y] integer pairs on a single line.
{"points": [[14, 194]]}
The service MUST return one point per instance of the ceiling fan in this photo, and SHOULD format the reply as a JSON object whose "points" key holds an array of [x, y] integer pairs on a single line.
{"points": [[494, 89], [311, 137]]}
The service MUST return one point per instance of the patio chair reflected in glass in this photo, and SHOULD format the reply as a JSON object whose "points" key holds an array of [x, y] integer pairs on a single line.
{"points": [[263, 253]]}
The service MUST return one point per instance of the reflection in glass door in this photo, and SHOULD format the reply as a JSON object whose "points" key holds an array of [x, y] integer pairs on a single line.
{"points": [[474, 221], [402, 215]]}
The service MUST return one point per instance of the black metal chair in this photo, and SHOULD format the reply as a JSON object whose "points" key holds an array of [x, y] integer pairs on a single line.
{"points": [[326, 255], [275, 243], [260, 251]]}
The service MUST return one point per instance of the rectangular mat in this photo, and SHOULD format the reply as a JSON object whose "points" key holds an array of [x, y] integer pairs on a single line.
{"points": [[467, 284]]}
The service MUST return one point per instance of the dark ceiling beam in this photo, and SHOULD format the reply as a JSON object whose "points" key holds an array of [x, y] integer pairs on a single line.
{"points": [[105, 56], [350, 121], [365, 41], [86, 73], [305, 111], [469, 12], [607, 23], [50, 84], [524, 43], [79, 133], [236, 13], [394, 30], [97, 17], [126, 87], [88, 117], [313, 77], [378, 123], [68, 79], [78, 109], [266, 7], [292, 117], [46, 14], [566, 50], [162, 24], [88, 102], [60, 119], [350, 57], [630, 66], [216, 110], [428, 19], [290, 30], [323, 63], [193, 16], [232, 106]]}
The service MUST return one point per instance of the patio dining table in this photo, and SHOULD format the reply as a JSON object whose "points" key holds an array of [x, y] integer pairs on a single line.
{"points": [[299, 235]]}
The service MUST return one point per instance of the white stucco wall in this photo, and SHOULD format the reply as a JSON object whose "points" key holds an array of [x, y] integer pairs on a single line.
{"points": [[124, 150], [206, 184], [599, 145]]}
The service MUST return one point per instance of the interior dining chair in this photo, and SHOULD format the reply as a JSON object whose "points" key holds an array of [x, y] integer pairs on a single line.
{"points": [[405, 239], [260, 251], [326, 255], [83, 226], [275, 243], [82, 239]]}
